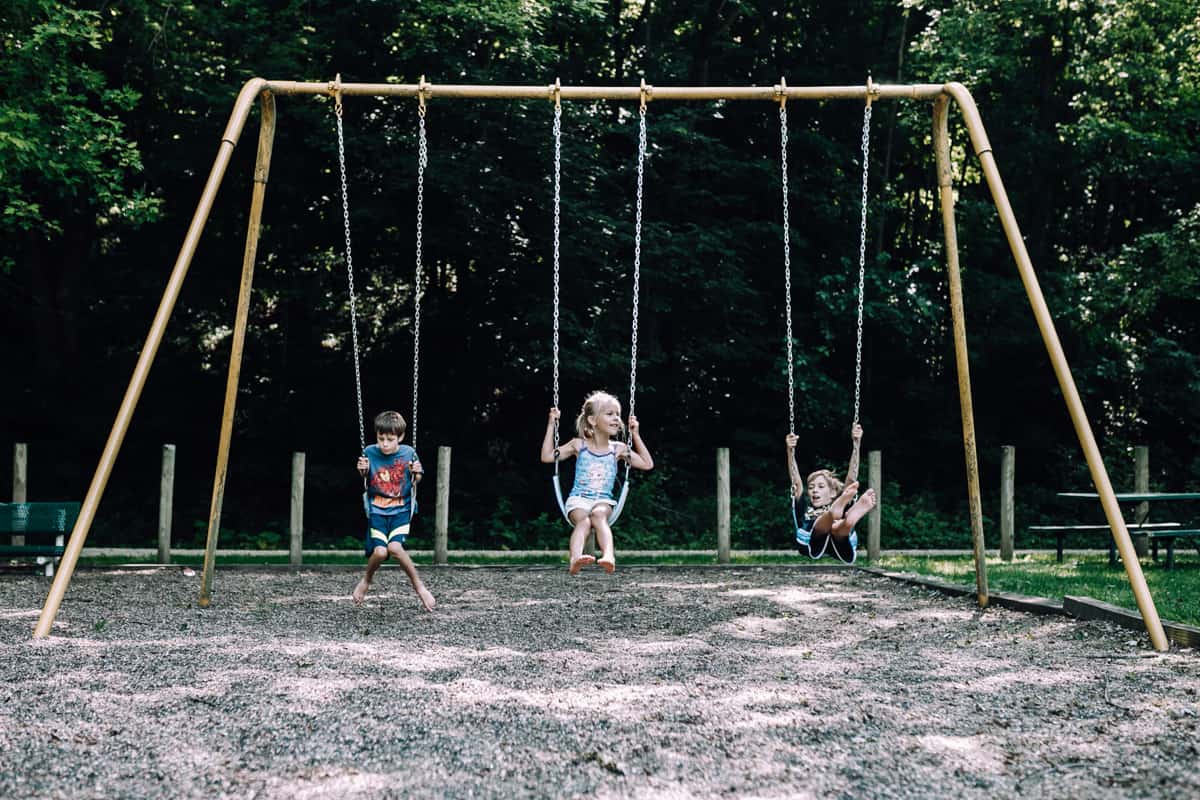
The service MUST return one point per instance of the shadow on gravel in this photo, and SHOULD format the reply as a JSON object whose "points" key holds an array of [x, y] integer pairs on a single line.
{"points": [[647, 683]]}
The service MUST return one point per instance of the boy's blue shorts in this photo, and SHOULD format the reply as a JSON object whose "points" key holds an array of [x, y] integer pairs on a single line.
{"points": [[387, 526]]}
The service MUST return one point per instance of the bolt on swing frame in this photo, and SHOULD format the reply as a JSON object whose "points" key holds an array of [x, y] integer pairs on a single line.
{"points": [[939, 95]]}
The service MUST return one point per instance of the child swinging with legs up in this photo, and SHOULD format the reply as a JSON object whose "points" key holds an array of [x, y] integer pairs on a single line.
{"points": [[825, 509], [597, 452]]}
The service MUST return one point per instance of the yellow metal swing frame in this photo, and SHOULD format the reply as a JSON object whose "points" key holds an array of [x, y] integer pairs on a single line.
{"points": [[265, 91]]}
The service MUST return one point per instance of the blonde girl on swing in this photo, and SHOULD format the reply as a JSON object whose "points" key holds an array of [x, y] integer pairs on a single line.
{"points": [[597, 451]]}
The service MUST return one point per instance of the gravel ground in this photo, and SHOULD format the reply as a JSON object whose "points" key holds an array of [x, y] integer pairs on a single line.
{"points": [[653, 682]]}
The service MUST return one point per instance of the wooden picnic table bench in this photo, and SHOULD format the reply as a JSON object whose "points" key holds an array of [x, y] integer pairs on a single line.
{"points": [[41, 528], [1169, 536], [1061, 532]]}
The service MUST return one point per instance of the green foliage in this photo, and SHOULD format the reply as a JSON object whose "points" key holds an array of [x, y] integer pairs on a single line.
{"points": [[63, 147], [652, 519], [233, 539], [913, 521], [346, 543], [507, 531], [762, 519]]}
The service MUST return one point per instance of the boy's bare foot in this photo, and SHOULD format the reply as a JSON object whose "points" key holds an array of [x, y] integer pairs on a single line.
{"points": [[839, 506], [579, 563], [609, 563], [360, 592], [860, 509], [426, 599]]}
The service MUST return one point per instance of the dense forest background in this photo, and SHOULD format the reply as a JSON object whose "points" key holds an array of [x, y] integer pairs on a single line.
{"points": [[111, 114]]}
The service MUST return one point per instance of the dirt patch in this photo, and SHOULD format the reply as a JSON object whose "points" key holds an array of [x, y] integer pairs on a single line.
{"points": [[682, 682]]}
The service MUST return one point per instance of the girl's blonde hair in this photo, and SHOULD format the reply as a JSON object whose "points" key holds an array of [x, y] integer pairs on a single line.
{"points": [[592, 406], [829, 477]]}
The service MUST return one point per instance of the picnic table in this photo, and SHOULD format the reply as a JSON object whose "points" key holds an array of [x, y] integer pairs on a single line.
{"points": [[1155, 532]]}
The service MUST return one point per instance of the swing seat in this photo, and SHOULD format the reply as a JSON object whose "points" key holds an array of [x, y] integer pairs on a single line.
{"points": [[637, 261], [367, 504], [806, 549], [558, 495]]}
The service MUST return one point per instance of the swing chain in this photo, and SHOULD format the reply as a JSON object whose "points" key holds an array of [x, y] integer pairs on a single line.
{"points": [[418, 287], [637, 253], [362, 442], [557, 228], [862, 259], [787, 267]]}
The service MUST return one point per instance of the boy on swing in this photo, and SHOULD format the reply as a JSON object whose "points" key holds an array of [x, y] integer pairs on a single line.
{"points": [[825, 510], [391, 470]]}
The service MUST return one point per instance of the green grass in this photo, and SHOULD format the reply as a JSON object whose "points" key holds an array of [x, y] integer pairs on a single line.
{"points": [[1176, 592], [680, 558]]}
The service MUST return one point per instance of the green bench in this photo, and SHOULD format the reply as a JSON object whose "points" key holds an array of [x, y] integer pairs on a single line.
{"points": [[1169, 536], [1166, 532], [40, 529]]}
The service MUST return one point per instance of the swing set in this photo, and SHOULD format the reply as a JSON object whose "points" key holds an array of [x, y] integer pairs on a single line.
{"points": [[418, 287], [940, 95], [637, 273], [862, 271]]}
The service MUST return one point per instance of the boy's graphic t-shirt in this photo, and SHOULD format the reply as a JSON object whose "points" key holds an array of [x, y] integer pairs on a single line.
{"points": [[389, 481]]}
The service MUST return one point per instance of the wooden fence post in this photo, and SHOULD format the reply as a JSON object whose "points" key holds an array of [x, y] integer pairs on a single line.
{"points": [[20, 480], [166, 503], [441, 525], [722, 505], [1141, 483], [1008, 478], [875, 515], [296, 523]]}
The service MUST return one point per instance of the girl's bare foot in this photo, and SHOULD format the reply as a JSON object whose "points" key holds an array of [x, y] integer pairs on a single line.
{"points": [[839, 506], [360, 592], [580, 562], [426, 598], [860, 509], [609, 563]]}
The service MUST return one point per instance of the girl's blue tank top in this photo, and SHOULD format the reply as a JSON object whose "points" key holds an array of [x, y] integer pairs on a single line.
{"points": [[595, 473]]}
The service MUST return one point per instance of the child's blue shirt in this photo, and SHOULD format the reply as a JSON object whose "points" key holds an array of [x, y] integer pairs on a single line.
{"points": [[389, 479], [595, 473]]}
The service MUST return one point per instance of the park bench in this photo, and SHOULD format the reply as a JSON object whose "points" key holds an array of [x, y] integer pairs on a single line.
{"points": [[1061, 532], [1169, 536], [1166, 532], [39, 528]]}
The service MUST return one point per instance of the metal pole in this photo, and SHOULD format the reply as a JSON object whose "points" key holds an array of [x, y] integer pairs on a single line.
{"points": [[875, 515], [771, 93], [137, 382], [723, 505], [20, 480], [941, 145], [1066, 383], [166, 503], [441, 530], [266, 136], [1008, 478], [296, 519]]}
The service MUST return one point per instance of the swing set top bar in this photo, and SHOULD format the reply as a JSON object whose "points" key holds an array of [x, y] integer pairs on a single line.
{"points": [[773, 93], [553, 92]]}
